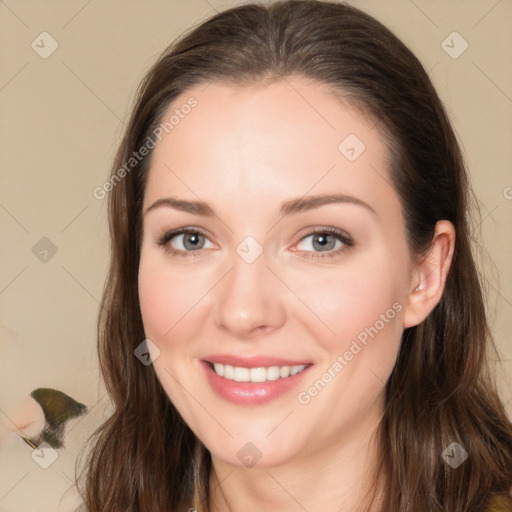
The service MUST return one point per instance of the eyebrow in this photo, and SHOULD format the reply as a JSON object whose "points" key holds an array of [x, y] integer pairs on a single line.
{"points": [[291, 207]]}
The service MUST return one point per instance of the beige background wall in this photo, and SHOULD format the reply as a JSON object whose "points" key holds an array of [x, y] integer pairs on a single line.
{"points": [[61, 120]]}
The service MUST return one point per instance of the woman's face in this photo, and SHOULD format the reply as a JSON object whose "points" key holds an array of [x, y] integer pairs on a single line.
{"points": [[270, 276]]}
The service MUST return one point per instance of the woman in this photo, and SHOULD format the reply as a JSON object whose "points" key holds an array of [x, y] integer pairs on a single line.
{"points": [[248, 369]]}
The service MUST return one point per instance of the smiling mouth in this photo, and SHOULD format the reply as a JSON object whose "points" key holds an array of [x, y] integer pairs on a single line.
{"points": [[259, 374]]}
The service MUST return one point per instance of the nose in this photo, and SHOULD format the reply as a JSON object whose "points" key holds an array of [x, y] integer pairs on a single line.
{"points": [[250, 299]]}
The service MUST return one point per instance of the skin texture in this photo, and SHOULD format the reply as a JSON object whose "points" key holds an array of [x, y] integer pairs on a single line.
{"points": [[244, 151], [25, 419]]}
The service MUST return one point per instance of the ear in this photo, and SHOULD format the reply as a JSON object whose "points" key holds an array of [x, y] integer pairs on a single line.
{"points": [[429, 275]]}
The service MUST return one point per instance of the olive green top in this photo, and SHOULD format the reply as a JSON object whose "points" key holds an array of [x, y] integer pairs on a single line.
{"points": [[500, 504], [497, 504]]}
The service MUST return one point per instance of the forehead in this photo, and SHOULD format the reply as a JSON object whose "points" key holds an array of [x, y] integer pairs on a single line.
{"points": [[285, 139]]}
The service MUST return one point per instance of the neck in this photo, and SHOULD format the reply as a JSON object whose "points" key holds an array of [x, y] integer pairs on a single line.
{"points": [[338, 477]]}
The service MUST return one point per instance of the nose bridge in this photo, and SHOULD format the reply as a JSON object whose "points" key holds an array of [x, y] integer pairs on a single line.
{"points": [[248, 298]]}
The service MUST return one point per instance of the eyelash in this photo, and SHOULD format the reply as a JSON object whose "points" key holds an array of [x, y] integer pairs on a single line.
{"points": [[166, 237]]}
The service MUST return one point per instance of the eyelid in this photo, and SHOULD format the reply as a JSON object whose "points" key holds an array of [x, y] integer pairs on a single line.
{"points": [[323, 229], [343, 236], [165, 238]]}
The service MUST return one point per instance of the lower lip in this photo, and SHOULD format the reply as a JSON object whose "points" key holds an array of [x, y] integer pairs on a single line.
{"points": [[251, 393]]}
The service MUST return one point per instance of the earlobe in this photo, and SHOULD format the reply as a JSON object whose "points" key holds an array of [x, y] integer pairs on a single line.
{"points": [[430, 275]]}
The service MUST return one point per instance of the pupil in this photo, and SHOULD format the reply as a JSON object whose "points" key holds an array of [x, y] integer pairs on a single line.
{"points": [[194, 236], [323, 240]]}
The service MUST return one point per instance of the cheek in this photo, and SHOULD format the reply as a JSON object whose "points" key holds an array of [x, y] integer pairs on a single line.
{"points": [[359, 334], [169, 304], [169, 296], [156, 300], [358, 327], [353, 299]]}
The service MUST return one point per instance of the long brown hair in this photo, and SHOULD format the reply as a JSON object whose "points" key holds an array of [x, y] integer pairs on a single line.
{"points": [[442, 388]]}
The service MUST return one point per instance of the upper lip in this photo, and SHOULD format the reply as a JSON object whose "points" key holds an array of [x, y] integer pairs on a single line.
{"points": [[252, 361]]}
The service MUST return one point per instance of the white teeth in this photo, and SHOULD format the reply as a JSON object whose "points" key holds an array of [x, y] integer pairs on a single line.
{"points": [[241, 374], [261, 374], [219, 369], [284, 372], [229, 373], [258, 375], [273, 373]]}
